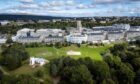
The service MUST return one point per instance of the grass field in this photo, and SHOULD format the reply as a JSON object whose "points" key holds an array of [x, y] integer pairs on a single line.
{"points": [[52, 52]]}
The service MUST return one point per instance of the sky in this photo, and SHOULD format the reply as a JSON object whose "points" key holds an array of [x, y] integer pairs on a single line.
{"points": [[72, 8]]}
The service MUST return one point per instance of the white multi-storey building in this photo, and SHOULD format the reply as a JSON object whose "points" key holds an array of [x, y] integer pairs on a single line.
{"points": [[23, 32], [113, 36], [30, 35], [23, 39], [27, 36], [87, 31], [48, 32], [96, 37], [76, 38], [53, 39], [134, 28], [132, 34], [122, 26], [79, 34]]}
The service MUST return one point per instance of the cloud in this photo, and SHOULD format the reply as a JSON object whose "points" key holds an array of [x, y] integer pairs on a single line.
{"points": [[134, 0], [70, 3], [108, 1], [113, 1], [31, 6], [24, 7], [19, 11], [26, 1], [55, 5], [82, 6], [58, 3], [73, 7]]}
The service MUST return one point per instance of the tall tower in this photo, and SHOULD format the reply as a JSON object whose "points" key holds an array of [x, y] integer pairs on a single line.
{"points": [[79, 26]]}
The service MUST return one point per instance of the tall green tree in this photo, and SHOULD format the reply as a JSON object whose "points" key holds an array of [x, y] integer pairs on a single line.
{"points": [[26, 79], [1, 75], [13, 56], [76, 75]]}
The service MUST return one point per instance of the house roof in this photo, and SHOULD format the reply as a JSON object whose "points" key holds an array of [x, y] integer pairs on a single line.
{"points": [[115, 32], [96, 34]]}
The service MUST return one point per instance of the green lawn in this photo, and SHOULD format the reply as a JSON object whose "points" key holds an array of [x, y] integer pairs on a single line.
{"points": [[52, 52]]}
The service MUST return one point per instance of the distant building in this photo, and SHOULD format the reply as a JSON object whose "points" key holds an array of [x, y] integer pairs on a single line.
{"points": [[113, 36], [23, 32], [103, 22], [132, 35], [5, 22], [73, 30], [21, 22], [103, 28], [79, 26], [54, 39], [134, 28], [104, 34], [76, 31], [122, 26], [56, 20], [76, 38], [96, 37], [28, 38], [43, 21], [48, 32], [3, 39], [87, 31], [43, 32], [31, 39]]}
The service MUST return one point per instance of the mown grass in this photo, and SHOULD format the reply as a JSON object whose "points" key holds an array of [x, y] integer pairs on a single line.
{"points": [[52, 52]]}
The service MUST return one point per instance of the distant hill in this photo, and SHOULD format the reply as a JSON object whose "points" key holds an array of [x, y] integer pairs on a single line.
{"points": [[27, 17]]}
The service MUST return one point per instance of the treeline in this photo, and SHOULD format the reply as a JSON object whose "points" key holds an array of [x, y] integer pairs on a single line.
{"points": [[59, 44], [12, 29], [120, 65], [56, 45]]}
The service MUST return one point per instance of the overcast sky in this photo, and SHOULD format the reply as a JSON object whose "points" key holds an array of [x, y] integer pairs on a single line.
{"points": [[72, 7]]}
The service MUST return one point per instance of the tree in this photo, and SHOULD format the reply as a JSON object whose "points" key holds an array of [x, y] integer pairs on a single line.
{"points": [[124, 74], [117, 48], [8, 79], [39, 73], [78, 45], [137, 78], [67, 61], [9, 40], [108, 81], [54, 70], [113, 61], [100, 70], [136, 63], [13, 56], [26, 79], [58, 45], [76, 75], [1, 75]]}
